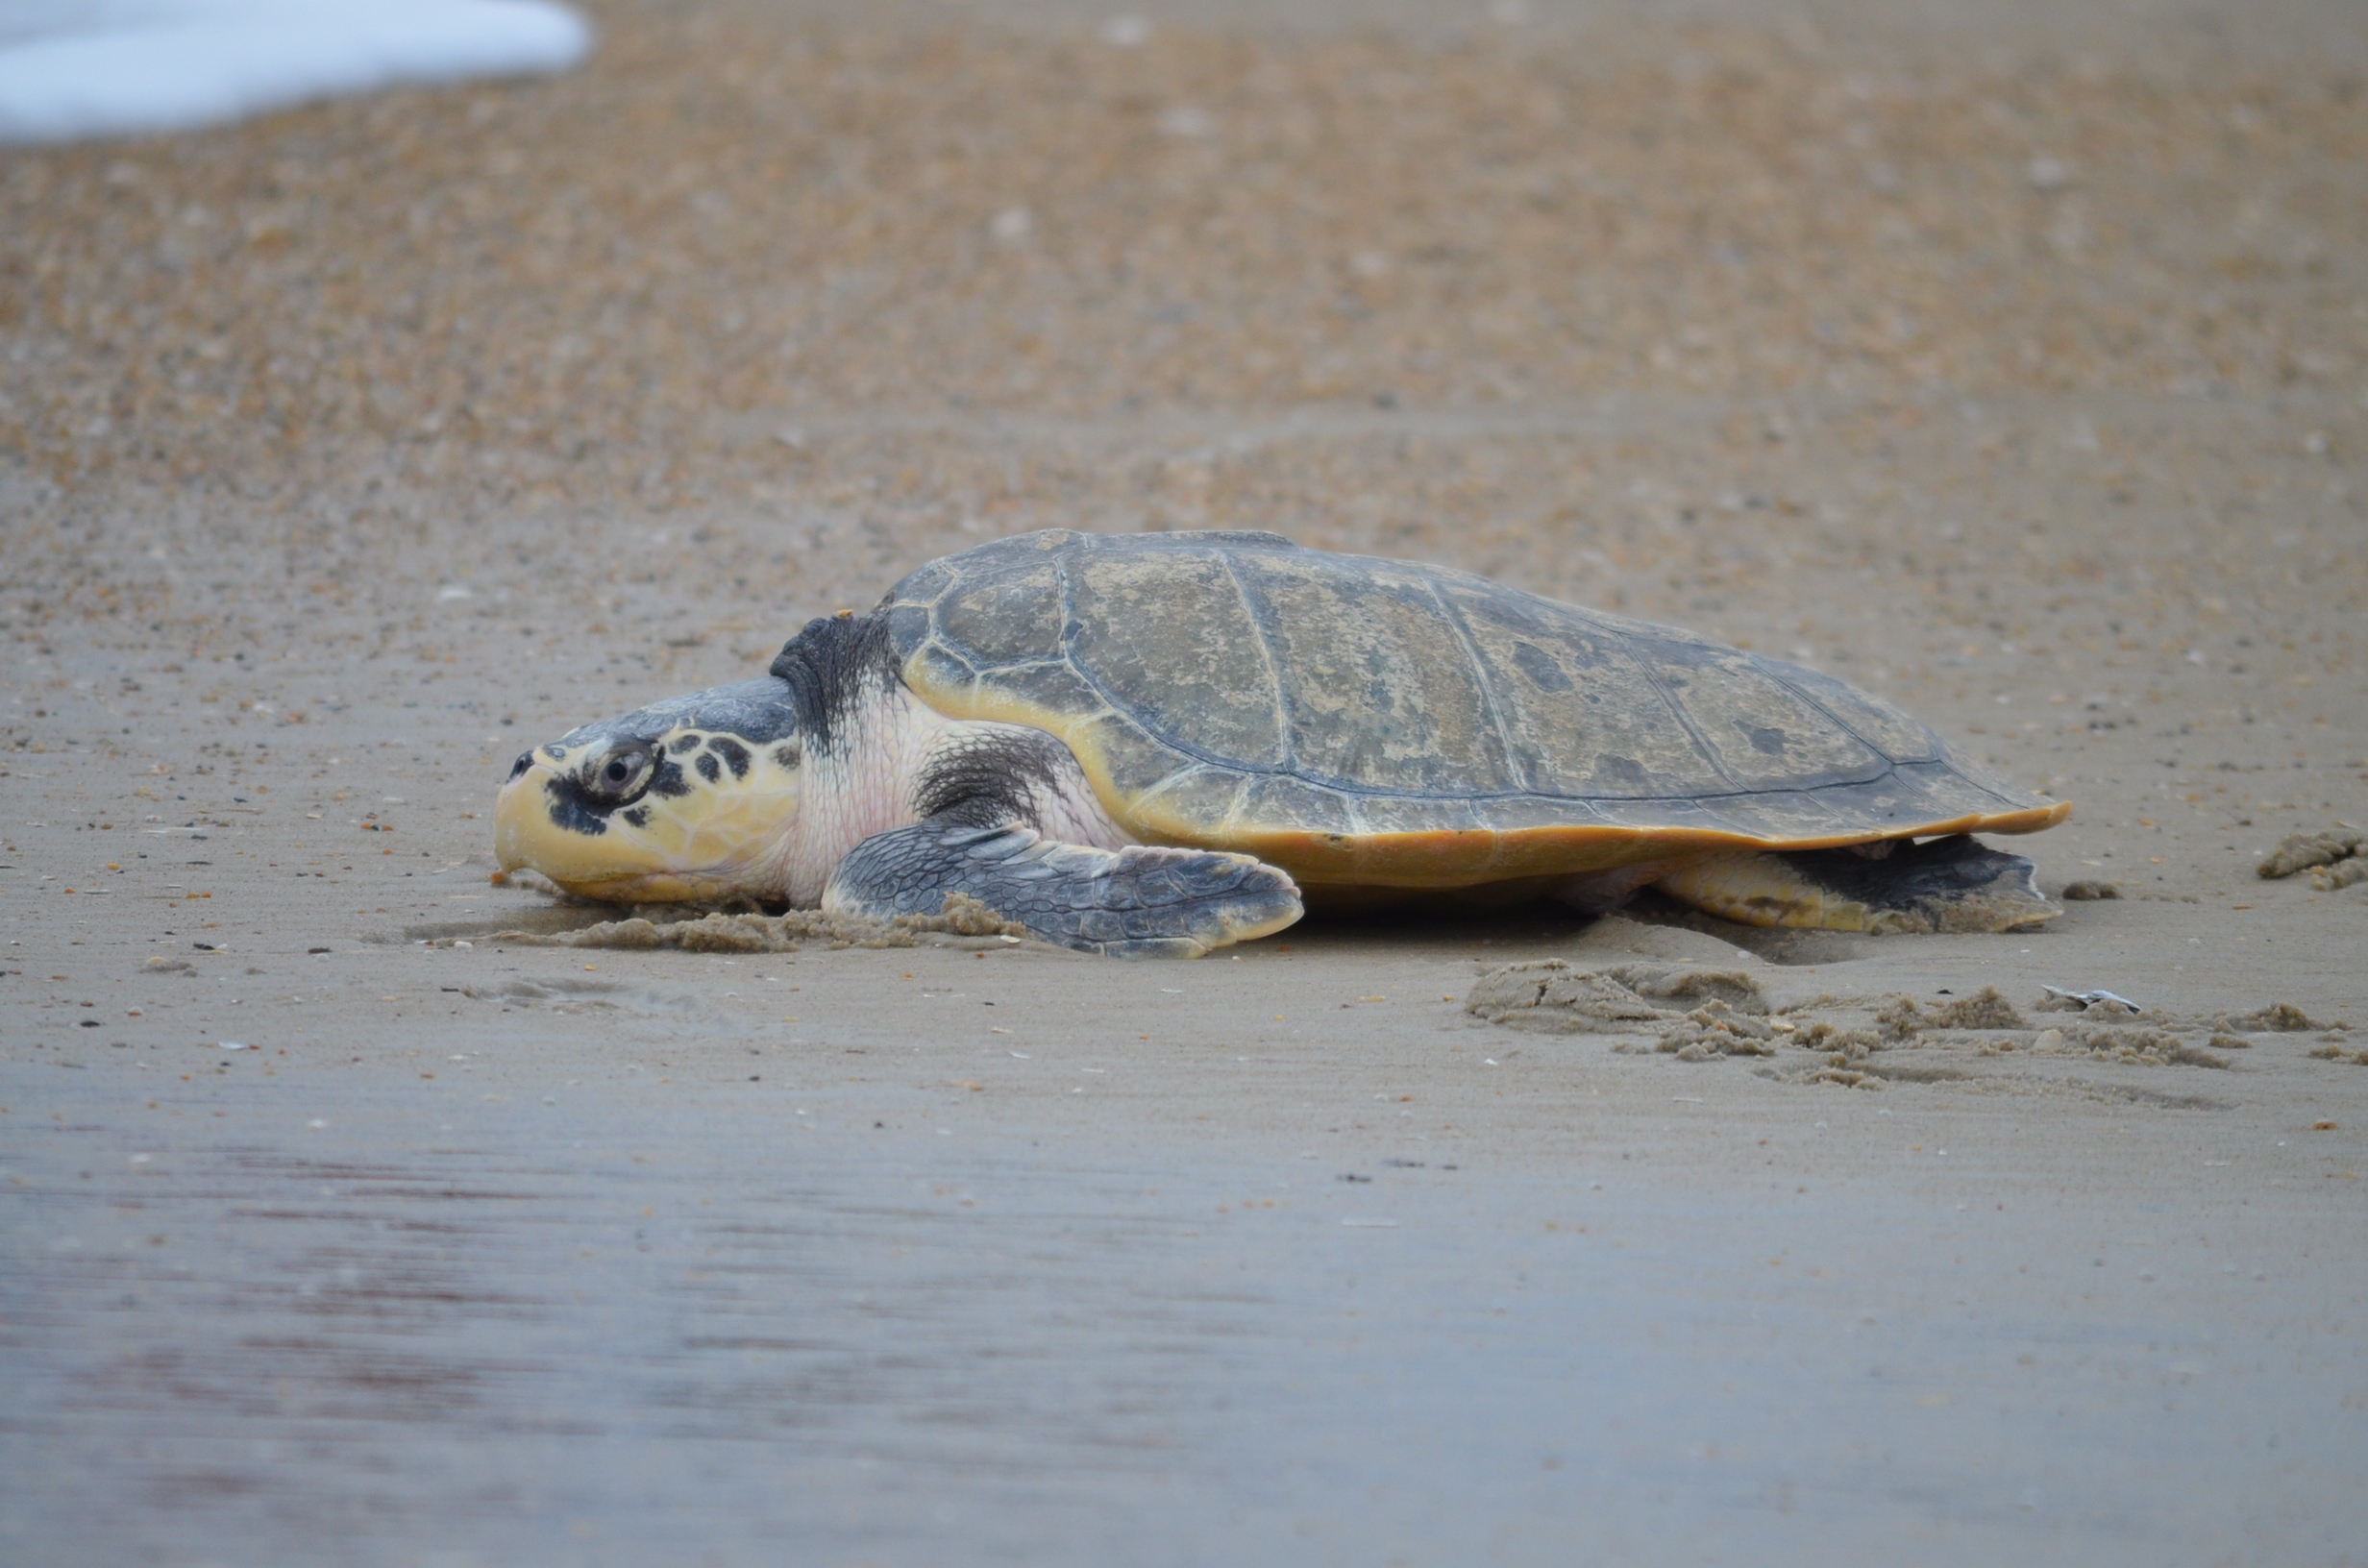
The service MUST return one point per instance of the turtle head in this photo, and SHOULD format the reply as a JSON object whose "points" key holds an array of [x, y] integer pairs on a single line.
{"points": [[693, 797]]}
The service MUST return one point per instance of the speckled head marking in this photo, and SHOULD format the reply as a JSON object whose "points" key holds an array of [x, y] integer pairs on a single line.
{"points": [[688, 798]]}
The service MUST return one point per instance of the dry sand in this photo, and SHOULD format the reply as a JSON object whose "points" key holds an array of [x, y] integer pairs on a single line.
{"points": [[2010, 366]]}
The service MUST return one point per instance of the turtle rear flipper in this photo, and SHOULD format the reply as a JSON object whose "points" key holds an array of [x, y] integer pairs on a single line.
{"points": [[1135, 902], [1950, 884]]}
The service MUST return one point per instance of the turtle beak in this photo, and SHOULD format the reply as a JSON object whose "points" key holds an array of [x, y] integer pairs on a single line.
{"points": [[554, 816]]}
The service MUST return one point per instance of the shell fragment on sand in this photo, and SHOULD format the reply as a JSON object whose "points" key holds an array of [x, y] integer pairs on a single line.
{"points": [[2082, 1001]]}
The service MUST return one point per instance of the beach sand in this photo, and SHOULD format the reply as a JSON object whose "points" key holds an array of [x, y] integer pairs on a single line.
{"points": [[2012, 368]]}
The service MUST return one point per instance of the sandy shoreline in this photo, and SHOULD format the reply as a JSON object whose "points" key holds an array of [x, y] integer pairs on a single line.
{"points": [[344, 455]]}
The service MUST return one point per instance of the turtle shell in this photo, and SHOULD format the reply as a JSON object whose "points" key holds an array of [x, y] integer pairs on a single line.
{"points": [[1367, 721]]}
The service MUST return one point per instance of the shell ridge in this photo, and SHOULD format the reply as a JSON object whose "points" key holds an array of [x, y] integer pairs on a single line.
{"points": [[1182, 775], [1942, 757], [1117, 707], [1702, 743], [945, 648], [1776, 673], [1948, 764], [1141, 808], [1021, 666], [1261, 617], [1482, 673], [1113, 706]]}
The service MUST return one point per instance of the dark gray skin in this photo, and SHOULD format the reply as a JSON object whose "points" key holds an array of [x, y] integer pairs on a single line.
{"points": [[1141, 902]]}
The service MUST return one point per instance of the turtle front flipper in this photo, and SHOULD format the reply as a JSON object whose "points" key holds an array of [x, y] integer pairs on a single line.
{"points": [[1140, 901], [1950, 884]]}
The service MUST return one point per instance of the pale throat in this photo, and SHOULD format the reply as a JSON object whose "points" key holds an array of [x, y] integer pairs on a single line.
{"points": [[860, 786], [865, 782]]}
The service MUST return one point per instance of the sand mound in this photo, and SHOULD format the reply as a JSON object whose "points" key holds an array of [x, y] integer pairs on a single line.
{"points": [[2301, 852], [740, 933], [1550, 997]]}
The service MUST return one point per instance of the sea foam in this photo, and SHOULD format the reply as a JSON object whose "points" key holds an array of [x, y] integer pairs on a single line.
{"points": [[71, 69]]}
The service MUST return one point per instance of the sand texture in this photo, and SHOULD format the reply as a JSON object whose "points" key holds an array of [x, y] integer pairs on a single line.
{"points": [[2013, 368]]}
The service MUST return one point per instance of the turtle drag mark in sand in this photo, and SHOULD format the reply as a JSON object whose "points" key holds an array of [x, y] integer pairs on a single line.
{"points": [[1158, 745]]}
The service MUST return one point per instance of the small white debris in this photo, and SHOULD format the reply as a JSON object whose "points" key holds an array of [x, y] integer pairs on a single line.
{"points": [[1372, 1224], [2092, 998], [446, 596], [1187, 121], [1012, 225], [2047, 173], [1126, 31], [231, 1044]]}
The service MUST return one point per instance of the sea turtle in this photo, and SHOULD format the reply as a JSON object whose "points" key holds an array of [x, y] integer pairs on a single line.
{"points": [[1159, 743]]}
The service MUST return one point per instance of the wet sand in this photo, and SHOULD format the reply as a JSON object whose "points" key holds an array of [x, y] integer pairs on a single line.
{"points": [[2009, 368]]}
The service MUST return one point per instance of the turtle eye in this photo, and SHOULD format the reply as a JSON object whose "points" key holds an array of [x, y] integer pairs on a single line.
{"points": [[619, 774], [525, 760]]}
